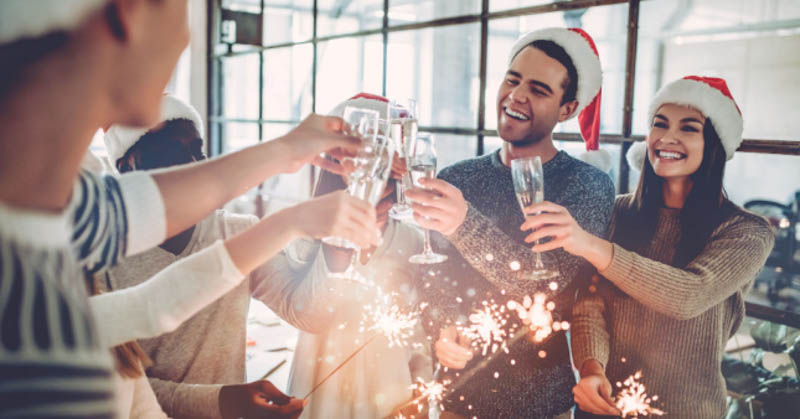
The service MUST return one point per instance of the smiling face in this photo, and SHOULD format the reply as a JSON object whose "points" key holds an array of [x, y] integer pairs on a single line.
{"points": [[675, 144], [529, 99]]}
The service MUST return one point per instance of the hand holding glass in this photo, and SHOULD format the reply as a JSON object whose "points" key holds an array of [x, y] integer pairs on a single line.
{"points": [[528, 179]]}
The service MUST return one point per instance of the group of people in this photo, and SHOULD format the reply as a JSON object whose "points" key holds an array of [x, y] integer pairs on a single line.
{"points": [[126, 294]]}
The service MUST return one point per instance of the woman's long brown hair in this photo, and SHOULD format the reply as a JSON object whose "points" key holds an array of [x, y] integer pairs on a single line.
{"points": [[706, 207]]}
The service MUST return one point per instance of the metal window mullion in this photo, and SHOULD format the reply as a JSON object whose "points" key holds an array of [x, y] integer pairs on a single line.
{"points": [[630, 82], [447, 21], [385, 36], [482, 73], [314, 63]]}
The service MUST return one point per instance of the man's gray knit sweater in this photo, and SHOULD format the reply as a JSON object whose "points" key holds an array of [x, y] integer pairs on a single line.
{"points": [[480, 254]]}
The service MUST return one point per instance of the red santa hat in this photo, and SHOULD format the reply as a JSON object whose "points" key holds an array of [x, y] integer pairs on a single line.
{"points": [[120, 138], [363, 100], [21, 19], [582, 51], [710, 96]]}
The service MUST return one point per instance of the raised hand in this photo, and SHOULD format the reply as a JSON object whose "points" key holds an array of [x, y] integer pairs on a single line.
{"points": [[547, 219], [438, 206], [337, 214], [315, 135]]}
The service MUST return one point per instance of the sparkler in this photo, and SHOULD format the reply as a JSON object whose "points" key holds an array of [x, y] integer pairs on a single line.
{"points": [[487, 328], [389, 320], [537, 314], [382, 318], [633, 401], [338, 367]]}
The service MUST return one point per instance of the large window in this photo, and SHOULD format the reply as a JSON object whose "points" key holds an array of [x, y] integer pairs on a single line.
{"points": [[274, 61]]}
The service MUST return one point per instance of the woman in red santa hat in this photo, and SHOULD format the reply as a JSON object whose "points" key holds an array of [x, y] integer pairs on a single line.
{"points": [[680, 260]]}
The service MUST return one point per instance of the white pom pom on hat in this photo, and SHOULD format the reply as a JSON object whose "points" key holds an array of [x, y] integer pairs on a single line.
{"points": [[710, 96], [582, 51], [120, 138]]}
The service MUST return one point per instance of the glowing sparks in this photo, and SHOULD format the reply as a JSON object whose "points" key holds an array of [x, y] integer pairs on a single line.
{"points": [[632, 399], [486, 328], [514, 265], [537, 314], [432, 392], [389, 319]]}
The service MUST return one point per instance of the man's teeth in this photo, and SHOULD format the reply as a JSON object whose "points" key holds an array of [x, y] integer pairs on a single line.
{"points": [[516, 115], [669, 155]]}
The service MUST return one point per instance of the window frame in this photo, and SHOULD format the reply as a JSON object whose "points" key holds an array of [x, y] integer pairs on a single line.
{"points": [[218, 51]]}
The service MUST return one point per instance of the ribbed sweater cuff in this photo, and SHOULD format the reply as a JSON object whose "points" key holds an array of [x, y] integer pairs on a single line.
{"points": [[468, 230], [586, 347], [145, 212]]}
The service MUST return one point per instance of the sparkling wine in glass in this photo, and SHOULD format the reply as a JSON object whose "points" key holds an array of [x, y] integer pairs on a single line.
{"points": [[528, 179], [404, 134], [422, 165], [361, 123]]}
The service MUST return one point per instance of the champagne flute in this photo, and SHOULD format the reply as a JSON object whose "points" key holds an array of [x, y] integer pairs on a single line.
{"points": [[361, 123], [528, 179], [370, 188], [404, 134], [422, 165]]}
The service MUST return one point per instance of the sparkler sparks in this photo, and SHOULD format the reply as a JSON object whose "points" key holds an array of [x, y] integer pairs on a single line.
{"points": [[537, 314], [633, 401], [432, 391], [487, 328], [388, 319]]}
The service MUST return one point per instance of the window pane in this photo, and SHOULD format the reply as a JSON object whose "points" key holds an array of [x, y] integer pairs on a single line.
{"points": [[348, 66], [287, 82], [712, 38], [438, 67], [240, 86], [496, 5], [606, 25], [288, 21], [405, 11], [236, 136], [250, 6], [336, 16], [451, 148]]}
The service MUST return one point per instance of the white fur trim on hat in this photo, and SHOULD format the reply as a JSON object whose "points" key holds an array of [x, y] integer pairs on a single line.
{"points": [[636, 155], [712, 103], [120, 138], [586, 62], [372, 102], [32, 18], [600, 159]]}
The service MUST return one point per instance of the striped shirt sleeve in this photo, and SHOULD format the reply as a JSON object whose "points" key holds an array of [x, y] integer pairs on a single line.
{"points": [[115, 217]]}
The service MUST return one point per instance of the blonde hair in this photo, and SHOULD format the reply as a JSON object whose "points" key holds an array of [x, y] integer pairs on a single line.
{"points": [[129, 358]]}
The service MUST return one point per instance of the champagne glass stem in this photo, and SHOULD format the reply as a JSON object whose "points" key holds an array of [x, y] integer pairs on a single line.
{"points": [[427, 250], [539, 264]]}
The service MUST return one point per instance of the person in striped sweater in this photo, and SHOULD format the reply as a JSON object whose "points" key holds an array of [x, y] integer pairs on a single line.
{"points": [[58, 226], [680, 260]]}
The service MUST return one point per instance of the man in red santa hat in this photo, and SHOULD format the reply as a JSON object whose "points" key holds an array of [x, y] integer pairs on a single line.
{"points": [[553, 75]]}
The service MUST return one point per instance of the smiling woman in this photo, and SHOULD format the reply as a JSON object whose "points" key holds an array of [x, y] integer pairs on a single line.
{"points": [[680, 259]]}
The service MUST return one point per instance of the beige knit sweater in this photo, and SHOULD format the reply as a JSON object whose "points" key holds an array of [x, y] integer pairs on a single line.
{"points": [[672, 323]]}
